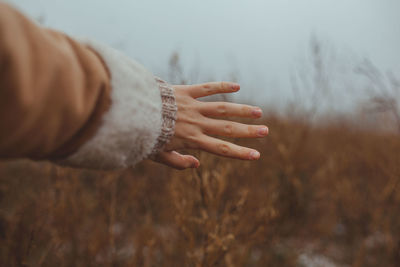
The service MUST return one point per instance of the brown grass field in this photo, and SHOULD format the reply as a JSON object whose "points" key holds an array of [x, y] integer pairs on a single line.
{"points": [[318, 191]]}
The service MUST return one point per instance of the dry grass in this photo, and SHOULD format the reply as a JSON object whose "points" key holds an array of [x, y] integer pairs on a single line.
{"points": [[330, 190]]}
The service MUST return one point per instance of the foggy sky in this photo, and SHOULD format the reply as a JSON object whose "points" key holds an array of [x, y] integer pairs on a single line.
{"points": [[261, 40]]}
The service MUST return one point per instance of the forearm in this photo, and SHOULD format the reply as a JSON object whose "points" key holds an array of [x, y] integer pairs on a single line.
{"points": [[78, 101]]}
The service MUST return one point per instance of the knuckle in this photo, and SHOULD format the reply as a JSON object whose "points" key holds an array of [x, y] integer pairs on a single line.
{"points": [[193, 140], [222, 85], [206, 86], [188, 118], [228, 129], [246, 110], [194, 137], [222, 109], [182, 108], [181, 117], [184, 103], [208, 89], [252, 130], [223, 149], [197, 105]]}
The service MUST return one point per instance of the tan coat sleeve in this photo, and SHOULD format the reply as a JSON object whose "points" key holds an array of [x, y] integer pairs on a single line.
{"points": [[78, 101], [53, 90]]}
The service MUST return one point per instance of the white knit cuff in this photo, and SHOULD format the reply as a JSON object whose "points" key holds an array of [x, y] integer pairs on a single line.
{"points": [[169, 113]]}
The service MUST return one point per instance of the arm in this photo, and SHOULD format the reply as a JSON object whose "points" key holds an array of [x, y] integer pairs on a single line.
{"points": [[87, 105], [78, 101]]}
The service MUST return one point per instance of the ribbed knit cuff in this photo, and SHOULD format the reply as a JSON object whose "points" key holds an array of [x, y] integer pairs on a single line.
{"points": [[169, 112]]}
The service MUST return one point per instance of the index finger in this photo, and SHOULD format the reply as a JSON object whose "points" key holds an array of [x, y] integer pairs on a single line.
{"points": [[211, 88]]}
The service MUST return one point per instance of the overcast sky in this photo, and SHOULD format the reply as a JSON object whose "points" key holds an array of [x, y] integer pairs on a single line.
{"points": [[262, 40]]}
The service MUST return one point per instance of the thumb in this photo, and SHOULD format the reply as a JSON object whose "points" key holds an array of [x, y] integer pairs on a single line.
{"points": [[177, 160]]}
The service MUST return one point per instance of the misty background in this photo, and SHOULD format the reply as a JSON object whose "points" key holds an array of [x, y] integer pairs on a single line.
{"points": [[266, 45]]}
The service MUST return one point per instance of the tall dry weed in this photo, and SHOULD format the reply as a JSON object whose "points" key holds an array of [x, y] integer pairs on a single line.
{"points": [[326, 189]]}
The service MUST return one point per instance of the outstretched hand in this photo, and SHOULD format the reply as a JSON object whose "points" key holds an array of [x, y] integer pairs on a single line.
{"points": [[195, 123]]}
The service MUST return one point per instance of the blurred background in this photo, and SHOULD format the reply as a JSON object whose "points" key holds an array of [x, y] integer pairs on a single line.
{"points": [[261, 43], [326, 190]]}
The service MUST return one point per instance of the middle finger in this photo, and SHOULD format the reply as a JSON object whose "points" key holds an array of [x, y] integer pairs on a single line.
{"points": [[224, 109]]}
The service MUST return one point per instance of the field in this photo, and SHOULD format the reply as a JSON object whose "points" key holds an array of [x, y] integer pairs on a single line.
{"points": [[322, 193]]}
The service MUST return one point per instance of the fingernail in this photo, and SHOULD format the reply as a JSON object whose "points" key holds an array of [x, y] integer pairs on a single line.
{"points": [[257, 112], [254, 155], [263, 131], [195, 164], [235, 86]]}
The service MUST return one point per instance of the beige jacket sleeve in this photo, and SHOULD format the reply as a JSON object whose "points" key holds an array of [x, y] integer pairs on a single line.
{"points": [[76, 102]]}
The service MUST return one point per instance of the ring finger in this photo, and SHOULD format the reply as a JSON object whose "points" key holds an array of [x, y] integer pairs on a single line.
{"points": [[226, 149], [233, 129]]}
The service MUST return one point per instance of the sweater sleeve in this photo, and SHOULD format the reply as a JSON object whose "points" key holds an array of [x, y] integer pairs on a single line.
{"points": [[76, 102], [140, 120]]}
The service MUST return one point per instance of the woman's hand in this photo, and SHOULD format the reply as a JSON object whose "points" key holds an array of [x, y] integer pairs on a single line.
{"points": [[195, 124]]}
